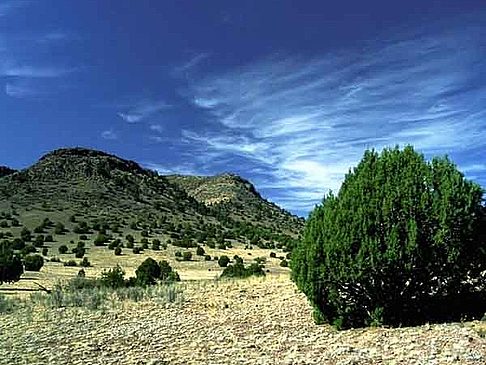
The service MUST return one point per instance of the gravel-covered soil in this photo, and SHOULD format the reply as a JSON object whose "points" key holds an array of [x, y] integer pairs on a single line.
{"points": [[257, 321]]}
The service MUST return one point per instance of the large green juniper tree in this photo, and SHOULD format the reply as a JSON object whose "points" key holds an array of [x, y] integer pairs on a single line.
{"points": [[399, 244]]}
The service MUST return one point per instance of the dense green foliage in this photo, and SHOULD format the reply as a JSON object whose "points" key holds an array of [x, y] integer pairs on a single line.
{"points": [[223, 261], [33, 262], [10, 266], [399, 244], [238, 270], [150, 271]]}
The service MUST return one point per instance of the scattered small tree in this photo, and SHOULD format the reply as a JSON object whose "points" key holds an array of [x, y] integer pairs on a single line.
{"points": [[223, 261], [148, 272], [200, 251], [10, 266], [85, 262], [33, 262]]}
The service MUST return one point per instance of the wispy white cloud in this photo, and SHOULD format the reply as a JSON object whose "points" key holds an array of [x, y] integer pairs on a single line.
{"points": [[156, 128], [109, 134], [141, 110], [184, 169], [308, 121], [19, 90], [192, 63], [157, 139], [33, 71], [7, 7]]}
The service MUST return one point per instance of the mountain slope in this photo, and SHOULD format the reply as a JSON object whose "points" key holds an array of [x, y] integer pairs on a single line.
{"points": [[93, 181], [99, 187], [235, 196], [4, 171]]}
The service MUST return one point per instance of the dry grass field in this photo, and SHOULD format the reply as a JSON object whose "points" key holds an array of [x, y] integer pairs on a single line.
{"points": [[253, 321]]}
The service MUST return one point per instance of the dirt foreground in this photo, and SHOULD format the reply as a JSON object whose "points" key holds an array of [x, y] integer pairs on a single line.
{"points": [[256, 321]]}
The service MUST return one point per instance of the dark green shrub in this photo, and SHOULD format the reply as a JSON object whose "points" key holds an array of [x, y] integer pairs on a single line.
{"points": [[284, 263], [238, 270], [145, 246], [59, 229], [136, 250], [33, 263], [25, 234], [178, 254], [39, 241], [113, 278], [63, 249], [39, 229], [27, 250], [49, 238], [130, 238], [83, 237], [85, 262], [70, 263], [238, 259], [187, 255], [112, 245], [200, 251], [207, 258], [80, 252], [18, 244], [273, 255], [130, 245], [400, 244], [223, 261], [148, 272], [44, 251], [100, 240], [55, 259], [156, 244], [167, 273], [144, 233], [10, 266], [118, 251]]}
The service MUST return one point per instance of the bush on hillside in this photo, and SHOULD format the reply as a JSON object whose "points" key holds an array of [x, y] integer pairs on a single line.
{"points": [[200, 251], [238, 270], [150, 271], [400, 244], [10, 266], [33, 263], [223, 261]]}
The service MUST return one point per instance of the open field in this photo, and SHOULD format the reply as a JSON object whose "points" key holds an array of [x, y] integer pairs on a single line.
{"points": [[101, 258], [254, 321]]}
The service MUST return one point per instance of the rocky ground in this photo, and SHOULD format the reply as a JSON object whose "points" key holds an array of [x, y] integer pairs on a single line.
{"points": [[257, 321]]}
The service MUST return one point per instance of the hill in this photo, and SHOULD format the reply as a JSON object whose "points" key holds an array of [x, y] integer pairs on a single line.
{"points": [[235, 197], [77, 184]]}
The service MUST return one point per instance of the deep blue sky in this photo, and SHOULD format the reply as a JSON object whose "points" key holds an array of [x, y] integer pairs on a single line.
{"points": [[286, 93]]}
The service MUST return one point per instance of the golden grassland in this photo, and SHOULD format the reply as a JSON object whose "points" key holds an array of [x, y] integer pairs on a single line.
{"points": [[101, 258]]}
